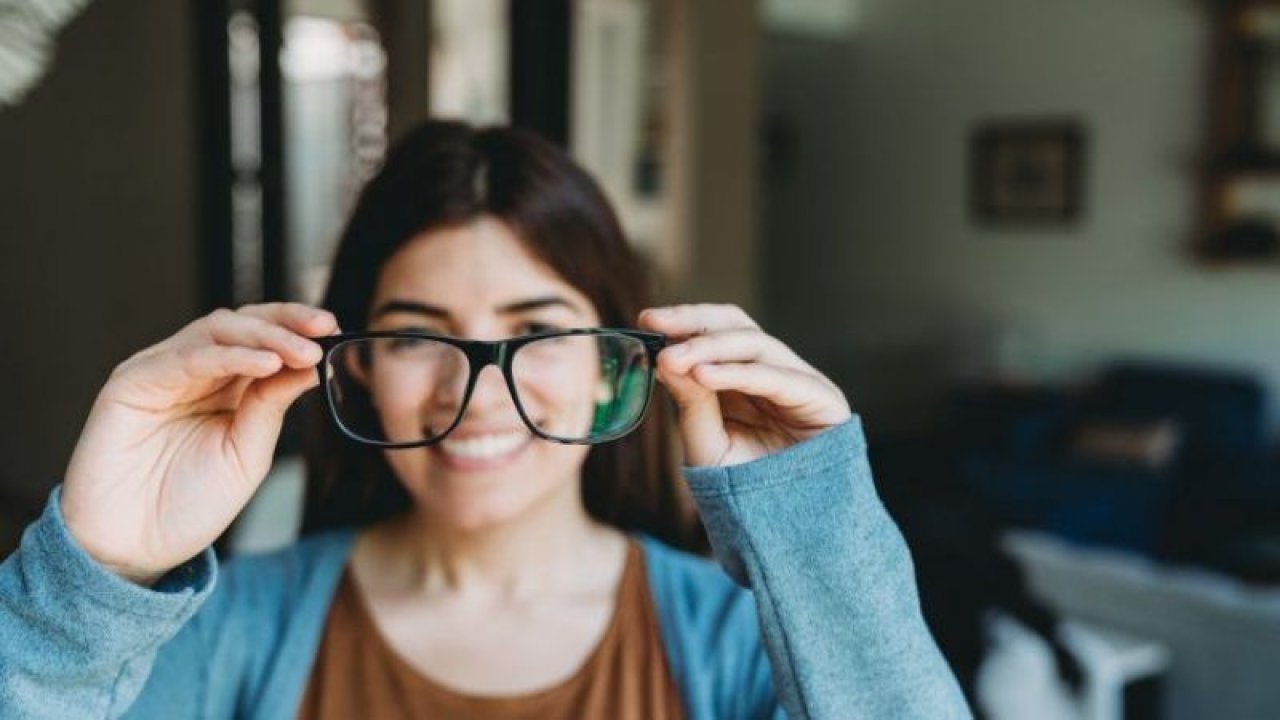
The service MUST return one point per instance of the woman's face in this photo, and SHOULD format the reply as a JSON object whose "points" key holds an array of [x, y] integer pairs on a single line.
{"points": [[478, 281]]}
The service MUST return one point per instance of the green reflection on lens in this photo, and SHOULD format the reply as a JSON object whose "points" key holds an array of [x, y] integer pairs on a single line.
{"points": [[627, 390]]}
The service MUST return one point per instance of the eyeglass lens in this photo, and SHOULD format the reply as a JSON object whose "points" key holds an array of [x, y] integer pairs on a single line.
{"points": [[407, 390]]}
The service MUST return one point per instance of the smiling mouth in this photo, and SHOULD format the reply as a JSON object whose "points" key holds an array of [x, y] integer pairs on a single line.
{"points": [[484, 447]]}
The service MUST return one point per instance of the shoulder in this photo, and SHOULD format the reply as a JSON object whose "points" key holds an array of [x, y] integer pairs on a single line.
{"points": [[698, 602], [281, 578], [698, 582], [260, 600], [302, 557], [710, 630], [257, 625], [695, 592]]}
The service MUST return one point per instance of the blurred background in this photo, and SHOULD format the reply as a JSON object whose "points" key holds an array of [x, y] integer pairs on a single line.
{"points": [[1035, 242]]}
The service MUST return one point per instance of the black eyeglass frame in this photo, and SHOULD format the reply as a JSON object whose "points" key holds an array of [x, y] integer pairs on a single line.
{"points": [[481, 354]]}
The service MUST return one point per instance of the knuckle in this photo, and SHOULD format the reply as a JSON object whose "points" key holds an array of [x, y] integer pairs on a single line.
{"points": [[695, 344], [774, 343], [703, 374], [220, 317], [744, 316], [186, 353], [283, 334], [260, 311], [123, 368]]}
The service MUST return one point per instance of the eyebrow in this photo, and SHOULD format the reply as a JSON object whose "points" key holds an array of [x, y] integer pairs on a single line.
{"points": [[419, 308]]}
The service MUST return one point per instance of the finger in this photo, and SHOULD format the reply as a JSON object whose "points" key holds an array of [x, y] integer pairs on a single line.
{"points": [[801, 398], [240, 329], [262, 409], [699, 421], [303, 319], [178, 367], [178, 372], [681, 321], [748, 345], [211, 362]]}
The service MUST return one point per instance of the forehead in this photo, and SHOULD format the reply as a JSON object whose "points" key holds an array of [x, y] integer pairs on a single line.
{"points": [[480, 264]]}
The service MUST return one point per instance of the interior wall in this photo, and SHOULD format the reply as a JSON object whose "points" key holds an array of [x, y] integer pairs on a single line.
{"points": [[872, 263], [97, 223], [721, 113]]}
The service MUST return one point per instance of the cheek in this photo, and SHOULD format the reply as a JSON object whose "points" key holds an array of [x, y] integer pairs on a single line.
{"points": [[395, 392], [406, 395], [560, 384], [560, 393], [409, 467], [397, 395]]}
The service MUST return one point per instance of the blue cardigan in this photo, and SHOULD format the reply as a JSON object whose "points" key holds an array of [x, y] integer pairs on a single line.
{"points": [[822, 622]]}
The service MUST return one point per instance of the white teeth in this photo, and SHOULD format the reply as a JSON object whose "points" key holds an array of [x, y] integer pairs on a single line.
{"points": [[483, 446]]}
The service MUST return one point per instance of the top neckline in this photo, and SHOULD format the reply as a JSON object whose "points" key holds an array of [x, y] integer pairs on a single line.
{"points": [[632, 573]]}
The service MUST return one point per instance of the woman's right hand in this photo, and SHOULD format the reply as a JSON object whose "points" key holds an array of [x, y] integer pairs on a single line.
{"points": [[182, 434]]}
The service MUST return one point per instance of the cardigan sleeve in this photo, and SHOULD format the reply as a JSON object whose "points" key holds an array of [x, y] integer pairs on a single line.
{"points": [[833, 582], [76, 640]]}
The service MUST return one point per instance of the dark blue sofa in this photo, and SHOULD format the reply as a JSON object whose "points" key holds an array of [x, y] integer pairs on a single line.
{"points": [[1014, 450]]}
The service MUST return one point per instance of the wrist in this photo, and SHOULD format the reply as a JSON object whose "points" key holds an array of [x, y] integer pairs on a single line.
{"points": [[137, 575], [142, 578]]}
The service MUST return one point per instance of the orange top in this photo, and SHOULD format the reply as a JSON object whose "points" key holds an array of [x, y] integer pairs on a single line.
{"points": [[357, 674]]}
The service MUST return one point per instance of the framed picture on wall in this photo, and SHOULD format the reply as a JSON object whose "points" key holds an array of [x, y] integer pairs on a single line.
{"points": [[1027, 171]]}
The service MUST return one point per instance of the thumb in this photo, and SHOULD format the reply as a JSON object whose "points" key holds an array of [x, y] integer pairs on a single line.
{"points": [[261, 413], [700, 423]]}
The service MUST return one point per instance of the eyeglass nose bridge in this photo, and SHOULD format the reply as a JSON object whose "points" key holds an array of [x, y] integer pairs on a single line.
{"points": [[480, 355], [483, 353]]}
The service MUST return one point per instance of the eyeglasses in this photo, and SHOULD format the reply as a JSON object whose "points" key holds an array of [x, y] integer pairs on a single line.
{"points": [[405, 389]]}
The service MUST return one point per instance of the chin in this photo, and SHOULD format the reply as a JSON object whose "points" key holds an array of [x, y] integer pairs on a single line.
{"points": [[475, 512], [474, 500]]}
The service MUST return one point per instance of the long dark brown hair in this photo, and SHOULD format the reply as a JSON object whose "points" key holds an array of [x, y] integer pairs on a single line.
{"points": [[445, 174]]}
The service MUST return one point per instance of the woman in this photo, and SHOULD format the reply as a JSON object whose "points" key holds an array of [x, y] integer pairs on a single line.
{"points": [[500, 567]]}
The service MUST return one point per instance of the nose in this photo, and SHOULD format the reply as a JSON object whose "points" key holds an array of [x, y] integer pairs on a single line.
{"points": [[490, 395]]}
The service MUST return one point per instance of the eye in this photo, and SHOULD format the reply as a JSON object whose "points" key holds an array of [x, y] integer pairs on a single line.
{"points": [[536, 328], [420, 329], [406, 343], [416, 345]]}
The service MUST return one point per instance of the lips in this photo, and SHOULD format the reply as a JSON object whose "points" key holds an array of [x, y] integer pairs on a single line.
{"points": [[484, 446]]}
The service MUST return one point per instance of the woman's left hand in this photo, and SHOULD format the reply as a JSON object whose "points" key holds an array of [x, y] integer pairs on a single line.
{"points": [[741, 394]]}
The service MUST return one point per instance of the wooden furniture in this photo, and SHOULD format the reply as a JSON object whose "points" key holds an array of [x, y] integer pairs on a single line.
{"points": [[1240, 180]]}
